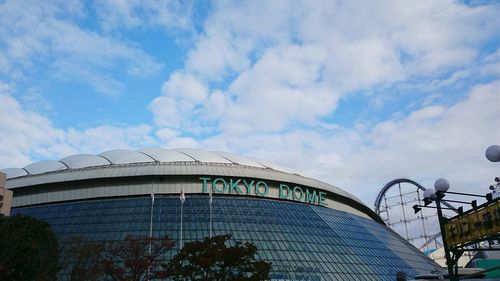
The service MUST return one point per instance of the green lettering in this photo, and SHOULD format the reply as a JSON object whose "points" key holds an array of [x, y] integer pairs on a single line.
{"points": [[322, 198], [234, 185], [299, 190], [311, 197], [258, 192], [248, 186], [215, 185], [284, 187], [205, 180]]}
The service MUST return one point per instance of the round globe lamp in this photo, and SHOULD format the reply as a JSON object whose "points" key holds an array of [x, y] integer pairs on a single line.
{"points": [[493, 153], [441, 185]]}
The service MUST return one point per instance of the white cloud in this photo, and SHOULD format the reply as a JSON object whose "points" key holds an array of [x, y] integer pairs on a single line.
{"points": [[29, 136], [285, 85], [40, 36], [107, 137], [288, 63], [181, 94], [283, 66], [436, 142], [214, 107], [390, 40], [187, 88], [264, 79], [166, 134], [21, 130], [169, 14], [233, 31], [183, 142], [395, 37], [429, 143]]}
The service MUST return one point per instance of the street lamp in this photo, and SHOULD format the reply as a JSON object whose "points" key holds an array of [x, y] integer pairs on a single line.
{"points": [[429, 195], [493, 153], [441, 185], [441, 188]]}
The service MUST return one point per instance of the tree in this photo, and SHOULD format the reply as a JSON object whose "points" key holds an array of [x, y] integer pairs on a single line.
{"points": [[135, 258], [84, 259], [212, 260], [28, 249]]}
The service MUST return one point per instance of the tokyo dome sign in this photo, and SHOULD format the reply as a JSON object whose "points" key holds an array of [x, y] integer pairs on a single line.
{"points": [[262, 188]]}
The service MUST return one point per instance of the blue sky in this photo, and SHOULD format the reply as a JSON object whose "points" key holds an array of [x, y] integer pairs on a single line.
{"points": [[355, 93]]}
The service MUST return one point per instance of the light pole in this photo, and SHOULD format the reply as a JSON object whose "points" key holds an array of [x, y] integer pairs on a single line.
{"points": [[484, 226], [493, 154], [437, 194], [441, 186]]}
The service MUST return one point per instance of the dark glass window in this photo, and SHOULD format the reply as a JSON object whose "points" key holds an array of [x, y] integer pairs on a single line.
{"points": [[303, 242]]}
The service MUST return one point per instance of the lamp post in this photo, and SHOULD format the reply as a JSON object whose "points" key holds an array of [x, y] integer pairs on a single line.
{"points": [[437, 194], [441, 186], [493, 154]]}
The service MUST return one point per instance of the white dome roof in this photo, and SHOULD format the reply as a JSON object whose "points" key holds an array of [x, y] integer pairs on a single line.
{"points": [[84, 160], [165, 155], [121, 156], [147, 155], [204, 156], [41, 167], [14, 172], [235, 158]]}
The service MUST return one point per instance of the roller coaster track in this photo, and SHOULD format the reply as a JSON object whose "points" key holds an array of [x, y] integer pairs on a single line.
{"points": [[392, 183], [407, 218]]}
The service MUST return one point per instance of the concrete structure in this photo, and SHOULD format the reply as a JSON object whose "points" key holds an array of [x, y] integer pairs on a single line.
{"points": [[308, 229], [5, 197]]}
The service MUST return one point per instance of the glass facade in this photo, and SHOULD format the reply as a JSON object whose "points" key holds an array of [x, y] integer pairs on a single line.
{"points": [[303, 242]]}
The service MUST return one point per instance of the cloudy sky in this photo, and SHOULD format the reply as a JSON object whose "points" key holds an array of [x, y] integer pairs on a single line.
{"points": [[354, 93]]}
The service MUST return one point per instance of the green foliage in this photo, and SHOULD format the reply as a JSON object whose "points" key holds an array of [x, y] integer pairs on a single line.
{"points": [[212, 260], [28, 249]]}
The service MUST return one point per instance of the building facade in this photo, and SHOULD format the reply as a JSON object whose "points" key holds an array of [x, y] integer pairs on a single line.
{"points": [[308, 229], [5, 196]]}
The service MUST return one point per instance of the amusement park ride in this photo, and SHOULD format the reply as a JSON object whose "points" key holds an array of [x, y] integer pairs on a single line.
{"points": [[394, 205], [406, 207]]}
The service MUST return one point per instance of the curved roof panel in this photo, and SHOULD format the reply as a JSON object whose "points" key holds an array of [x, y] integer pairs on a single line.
{"points": [[238, 159], [147, 155], [41, 167], [276, 167], [159, 162], [122, 156], [14, 172], [204, 156], [84, 160], [165, 155]]}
